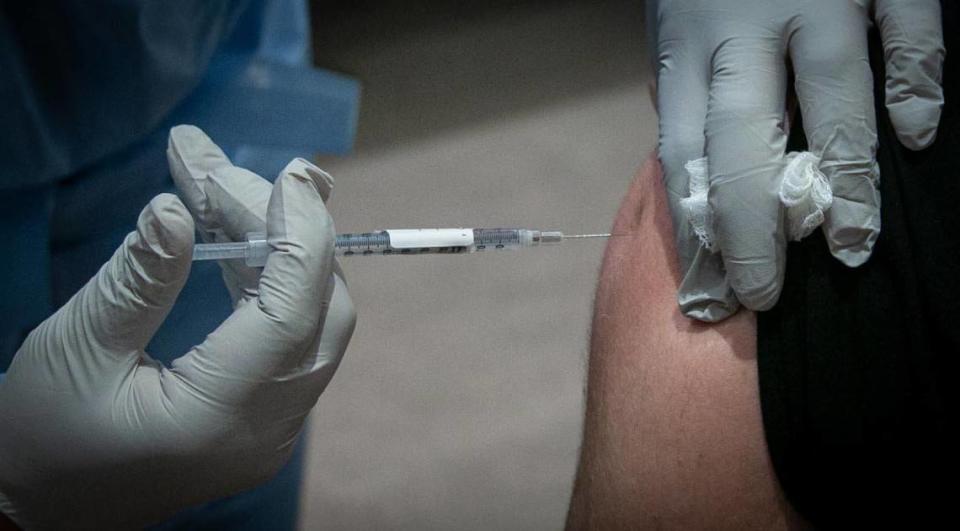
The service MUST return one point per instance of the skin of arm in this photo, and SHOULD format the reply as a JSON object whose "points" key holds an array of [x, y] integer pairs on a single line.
{"points": [[673, 436]]}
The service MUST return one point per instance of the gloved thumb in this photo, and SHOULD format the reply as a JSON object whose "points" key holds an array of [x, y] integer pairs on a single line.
{"points": [[121, 308]]}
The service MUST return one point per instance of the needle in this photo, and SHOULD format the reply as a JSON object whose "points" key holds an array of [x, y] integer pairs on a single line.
{"points": [[571, 236]]}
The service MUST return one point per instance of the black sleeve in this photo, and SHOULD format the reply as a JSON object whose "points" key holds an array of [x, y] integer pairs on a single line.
{"points": [[857, 365]]}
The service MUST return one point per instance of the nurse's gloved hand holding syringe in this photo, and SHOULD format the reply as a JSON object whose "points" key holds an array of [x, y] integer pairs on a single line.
{"points": [[735, 196], [96, 434]]}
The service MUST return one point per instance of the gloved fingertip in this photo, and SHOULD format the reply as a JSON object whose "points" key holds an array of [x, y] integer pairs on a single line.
{"points": [[192, 154], [144, 277], [761, 298], [852, 229], [916, 121], [853, 255], [852, 258], [166, 228], [707, 310], [704, 293], [297, 219], [757, 286], [306, 171], [186, 133], [181, 137]]}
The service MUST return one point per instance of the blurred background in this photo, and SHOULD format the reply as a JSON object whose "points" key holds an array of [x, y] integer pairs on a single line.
{"points": [[459, 403]]}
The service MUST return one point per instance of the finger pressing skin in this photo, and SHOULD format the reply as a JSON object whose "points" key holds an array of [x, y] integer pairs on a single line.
{"points": [[745, 147], [682, 106], [834, 85], [682, 86]]}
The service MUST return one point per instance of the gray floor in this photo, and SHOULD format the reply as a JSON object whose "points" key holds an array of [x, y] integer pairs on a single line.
{"points": [[459, 403]]}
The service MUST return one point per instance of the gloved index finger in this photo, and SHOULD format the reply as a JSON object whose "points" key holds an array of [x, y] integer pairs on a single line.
{"points": [[745, 146], [193, 157], [228, 201], [683, 78]]}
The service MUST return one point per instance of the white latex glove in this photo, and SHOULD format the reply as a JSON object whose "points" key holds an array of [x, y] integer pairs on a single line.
{"points": [[96, 434], [722, 83]]}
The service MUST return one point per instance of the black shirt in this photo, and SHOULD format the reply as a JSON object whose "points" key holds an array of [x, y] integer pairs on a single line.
{"points": [[858, 366]]}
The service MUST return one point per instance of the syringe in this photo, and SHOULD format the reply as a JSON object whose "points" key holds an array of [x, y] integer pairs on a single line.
{"points": [[396, 242]]}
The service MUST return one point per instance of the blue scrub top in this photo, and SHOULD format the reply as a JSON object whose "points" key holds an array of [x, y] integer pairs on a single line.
{"points": [[82, 80]]}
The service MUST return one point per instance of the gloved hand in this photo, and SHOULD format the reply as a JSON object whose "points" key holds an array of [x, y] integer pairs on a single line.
{"points": [[96, 434], [722, 84]]}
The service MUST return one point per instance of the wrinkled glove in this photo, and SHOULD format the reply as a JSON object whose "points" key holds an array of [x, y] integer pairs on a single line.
{"points": [[96, 434], [734, 195]]}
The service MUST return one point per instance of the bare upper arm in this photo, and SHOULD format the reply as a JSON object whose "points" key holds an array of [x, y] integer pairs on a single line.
{"points": [[673, 435]]}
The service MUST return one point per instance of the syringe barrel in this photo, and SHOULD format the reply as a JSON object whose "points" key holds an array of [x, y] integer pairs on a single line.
{"points": [[484, 239], [514, 238], [220, 251], [405, 242], [435, 241], [392, 242]]}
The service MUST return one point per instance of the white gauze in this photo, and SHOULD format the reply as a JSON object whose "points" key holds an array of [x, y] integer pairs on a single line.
{"points": [[696, 206], [806, 194]]}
